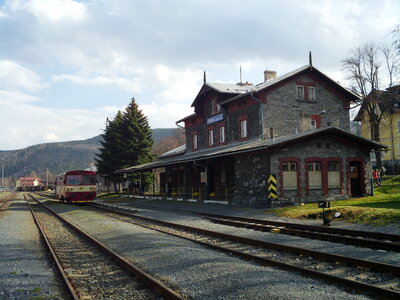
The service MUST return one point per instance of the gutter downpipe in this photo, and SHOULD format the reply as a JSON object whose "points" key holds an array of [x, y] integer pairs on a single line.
{"points": [[260, 113], [206, 169]]}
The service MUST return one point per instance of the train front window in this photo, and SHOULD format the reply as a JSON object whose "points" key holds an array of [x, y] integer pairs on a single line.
{"points": [[73, 180], [88, 179]]}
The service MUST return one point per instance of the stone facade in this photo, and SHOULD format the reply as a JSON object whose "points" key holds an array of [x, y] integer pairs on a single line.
{"points": [[251, 176], [311, 152], [283, 111]]}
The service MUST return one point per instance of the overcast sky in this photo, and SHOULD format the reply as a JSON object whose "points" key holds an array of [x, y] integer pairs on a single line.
{"points": [[65, 66]]}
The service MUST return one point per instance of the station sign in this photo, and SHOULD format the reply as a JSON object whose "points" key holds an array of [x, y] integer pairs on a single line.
{"points": [[215, 119]]}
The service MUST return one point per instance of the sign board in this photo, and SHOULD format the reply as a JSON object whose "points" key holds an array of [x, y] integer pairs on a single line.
{"points": [[215, 119], [159, 170], [272, 187], [324, 204], [203, 177]]}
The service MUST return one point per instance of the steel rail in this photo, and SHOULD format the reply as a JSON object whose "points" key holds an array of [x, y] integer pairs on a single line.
{"points": [[368, 243], [379, 240], [54, 256], [157, 285], [386, 268], [335, 230], [3, 204]]}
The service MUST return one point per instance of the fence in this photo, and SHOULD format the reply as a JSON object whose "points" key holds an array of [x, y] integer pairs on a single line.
{"points": [[198, 194]]}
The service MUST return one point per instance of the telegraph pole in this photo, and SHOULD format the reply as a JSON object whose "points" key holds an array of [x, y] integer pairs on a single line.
{"points": [[2, 172]]}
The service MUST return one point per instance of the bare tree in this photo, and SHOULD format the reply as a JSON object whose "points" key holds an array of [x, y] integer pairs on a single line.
{"points": [[363, 70]]}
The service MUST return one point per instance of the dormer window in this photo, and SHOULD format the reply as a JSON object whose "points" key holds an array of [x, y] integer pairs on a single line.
{"points": [[214, 107]]}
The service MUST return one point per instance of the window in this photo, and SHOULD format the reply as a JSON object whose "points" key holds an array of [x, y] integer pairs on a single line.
{"points": [[222, 134], [194, 141], [214, 107], [311, 93], [314, 174], [88, 179], [289, 174], [333, 174], [300, 92], [398, 126], [73, 180], [243, 128], [313, 124], [211, 137]]}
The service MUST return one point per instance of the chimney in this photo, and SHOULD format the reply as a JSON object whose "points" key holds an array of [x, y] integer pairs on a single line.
{"points": [[268, 75]]}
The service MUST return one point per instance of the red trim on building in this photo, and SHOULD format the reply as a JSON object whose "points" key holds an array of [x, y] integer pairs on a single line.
{"points": [[240, 104], [240, 119], [219, 134], [306, 84], [193, 134], [281, 187], [317, 119], [193, 121], [324, 173], [362, 173]]}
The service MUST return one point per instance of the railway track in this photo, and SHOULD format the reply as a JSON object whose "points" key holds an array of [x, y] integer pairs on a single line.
{"points": [[379, 279], [359, 238], [6, 201], [89, 268]]}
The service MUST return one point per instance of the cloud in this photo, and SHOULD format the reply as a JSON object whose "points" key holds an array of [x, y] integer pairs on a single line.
{"points": [[52, 10], [134, 85], [14, 76], [165, 115], [25, 124], [177, 85]]}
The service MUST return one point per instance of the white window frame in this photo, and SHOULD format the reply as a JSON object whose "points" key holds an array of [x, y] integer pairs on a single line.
{"points": [[194, 141], [300, 92], [243, 129], [222, 134], [211, 137], [215, 107], [311, 93], [313, 124]]}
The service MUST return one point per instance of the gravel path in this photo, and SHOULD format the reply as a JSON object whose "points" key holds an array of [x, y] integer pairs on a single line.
{"points": [[25, 271], [197, 271]]}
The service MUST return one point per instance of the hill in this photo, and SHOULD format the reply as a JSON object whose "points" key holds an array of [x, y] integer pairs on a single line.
{"points": [[57, 157]]}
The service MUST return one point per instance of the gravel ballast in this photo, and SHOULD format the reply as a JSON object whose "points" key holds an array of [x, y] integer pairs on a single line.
{"points": [[318, 245], [25, 270], [195, 270]]}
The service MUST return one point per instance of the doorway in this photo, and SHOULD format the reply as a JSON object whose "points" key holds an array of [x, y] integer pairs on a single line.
{"points": [[355, 178]]}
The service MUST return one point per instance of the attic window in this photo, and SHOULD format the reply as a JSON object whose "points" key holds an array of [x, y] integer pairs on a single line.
{"points": [[214, 107], [300, 92]]}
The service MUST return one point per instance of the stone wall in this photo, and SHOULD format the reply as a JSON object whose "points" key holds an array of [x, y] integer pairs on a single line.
{"points": [[283, 110], [251, 176], [319, 148], [253, 123]]}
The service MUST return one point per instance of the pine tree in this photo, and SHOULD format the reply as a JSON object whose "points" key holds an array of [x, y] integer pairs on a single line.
{"points": [[127, 141], [137, 136], [109, 160]]}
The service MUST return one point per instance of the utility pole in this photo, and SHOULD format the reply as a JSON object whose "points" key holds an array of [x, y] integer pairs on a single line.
{"points": [[2, 172]]}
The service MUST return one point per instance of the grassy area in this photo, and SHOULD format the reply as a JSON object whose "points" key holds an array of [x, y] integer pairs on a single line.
{"points": [[380, 209]]}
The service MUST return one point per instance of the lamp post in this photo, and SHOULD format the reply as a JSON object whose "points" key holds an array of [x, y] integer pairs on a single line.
{"points": [[2, 172]]}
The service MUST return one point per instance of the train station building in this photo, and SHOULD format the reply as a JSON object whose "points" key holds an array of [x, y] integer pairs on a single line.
{"points": [[283, 141]]}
